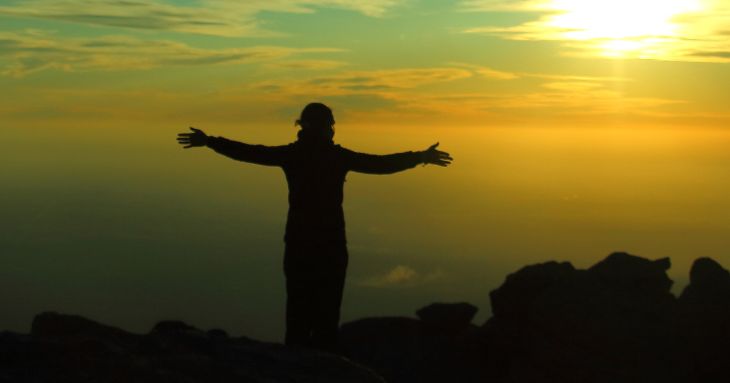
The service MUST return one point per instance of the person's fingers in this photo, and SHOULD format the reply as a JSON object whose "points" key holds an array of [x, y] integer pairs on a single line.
{"points": [[434, 146], [195, 130], [439, 162], [187, 147]]}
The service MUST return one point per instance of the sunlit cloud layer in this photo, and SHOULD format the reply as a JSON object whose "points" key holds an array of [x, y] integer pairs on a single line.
{"points": [[408, 92], [682, 30], [257, 54], [209, 17]]}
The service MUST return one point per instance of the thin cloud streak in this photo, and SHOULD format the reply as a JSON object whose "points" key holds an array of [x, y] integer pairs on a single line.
{"points": [[209, 17], [27, 53], [364, 82]]}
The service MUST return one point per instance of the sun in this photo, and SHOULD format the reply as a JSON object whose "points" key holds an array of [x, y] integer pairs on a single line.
{"points": [[619, 28]]}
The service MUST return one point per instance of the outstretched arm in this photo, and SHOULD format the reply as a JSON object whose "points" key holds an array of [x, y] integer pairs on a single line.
{"points": [[257, 154], [392, 163]]}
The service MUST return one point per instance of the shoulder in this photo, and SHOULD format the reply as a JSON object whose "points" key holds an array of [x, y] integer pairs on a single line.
{"points": [[343, 152], [340, 149]]}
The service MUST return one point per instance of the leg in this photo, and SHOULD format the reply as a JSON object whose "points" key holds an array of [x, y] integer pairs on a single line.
{"points": [[298, 302], [328, 297], [299, 296]]}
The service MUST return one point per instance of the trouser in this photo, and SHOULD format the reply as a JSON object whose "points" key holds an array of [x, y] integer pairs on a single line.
{"points": [[315, 278]]}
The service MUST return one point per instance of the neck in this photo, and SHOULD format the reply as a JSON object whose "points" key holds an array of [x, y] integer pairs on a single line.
{"points": [[314, 136]]}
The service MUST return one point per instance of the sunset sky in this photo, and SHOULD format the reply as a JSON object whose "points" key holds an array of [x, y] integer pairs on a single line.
{"points": [[578, 127]]}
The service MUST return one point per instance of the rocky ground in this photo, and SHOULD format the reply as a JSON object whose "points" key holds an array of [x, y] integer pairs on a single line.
{"points": [[68, 348], [613, 322]]}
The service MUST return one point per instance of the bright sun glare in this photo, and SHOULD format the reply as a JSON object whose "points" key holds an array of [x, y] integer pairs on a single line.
{"points": [[619, 28]]}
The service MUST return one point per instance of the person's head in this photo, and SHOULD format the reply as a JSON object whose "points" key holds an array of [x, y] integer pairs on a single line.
{"points": [[317, 122]]}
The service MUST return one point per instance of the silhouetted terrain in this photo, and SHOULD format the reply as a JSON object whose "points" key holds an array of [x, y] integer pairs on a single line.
{"points": [[613, 322], [68, 348]]}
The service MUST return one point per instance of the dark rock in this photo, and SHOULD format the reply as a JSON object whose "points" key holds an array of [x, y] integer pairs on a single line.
{"points": [[708, 283], [217, 333], [412, 350], [83, 334], [177, 337], [704, 320], [520, 289], [626, 272], [609, 323], [450, 318]]}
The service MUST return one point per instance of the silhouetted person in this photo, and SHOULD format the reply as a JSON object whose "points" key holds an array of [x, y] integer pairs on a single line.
{"points": [[315, 257]]}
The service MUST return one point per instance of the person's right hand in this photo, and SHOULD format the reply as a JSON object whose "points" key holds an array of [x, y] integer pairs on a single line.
{"points": [[196, 138], [436, 157]]}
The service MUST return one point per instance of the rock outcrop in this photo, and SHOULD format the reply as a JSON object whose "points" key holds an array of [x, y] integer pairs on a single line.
{"points": [[616, 321], [704, 320], [609, 323], [439, 348]]}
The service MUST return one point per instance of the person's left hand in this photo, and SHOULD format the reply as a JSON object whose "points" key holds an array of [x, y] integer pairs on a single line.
{"points": [[436, 157]]}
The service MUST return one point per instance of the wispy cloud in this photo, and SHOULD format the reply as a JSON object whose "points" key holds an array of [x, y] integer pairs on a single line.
{"points": [[553, 99], [401, 275], [502, 5], [209, 17], [404, 89], [308, 64], [26, 53], [678, 30], [487, 72], [379, 82]]}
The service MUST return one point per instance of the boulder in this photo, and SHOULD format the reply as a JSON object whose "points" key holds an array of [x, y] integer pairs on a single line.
{"points": [[437, 348], [611, 322], [636, 276], [709, 284], [520, 289], [704, 320]]}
